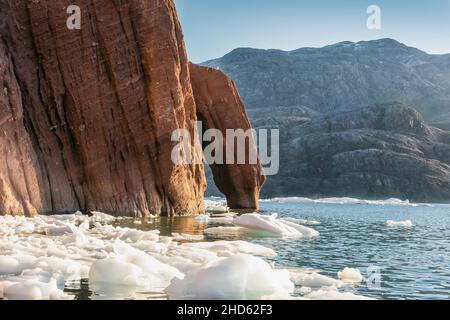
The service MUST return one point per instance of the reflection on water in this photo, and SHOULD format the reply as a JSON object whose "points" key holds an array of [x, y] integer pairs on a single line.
{"points": [[166, 226], [414, 262]]}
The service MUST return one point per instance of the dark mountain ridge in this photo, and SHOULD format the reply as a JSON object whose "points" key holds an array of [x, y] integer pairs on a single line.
{"points": [[356, 119], [342, 76]]}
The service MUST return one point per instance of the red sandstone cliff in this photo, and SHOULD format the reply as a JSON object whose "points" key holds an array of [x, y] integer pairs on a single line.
{"points": [[220, 107], [86, 116]]}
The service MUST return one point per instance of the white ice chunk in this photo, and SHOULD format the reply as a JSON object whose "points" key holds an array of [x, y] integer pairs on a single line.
{"points": [[238, 277], [147, 263], [353, 201], [225, 219], [25, 227], [187, 237], [227, 248], [132, 267], [41, 275], [273, 225], [282, 297], [350, 275], [313, 279], [72, 270], [57, 230], [305, 231], [101, 217], [302, 221], [216, 206], [15, 264], [116, 271], [133, 235], [332, 293], [9, 265], [225, 232], [33, 289], [186, 257], [3, 285], [402, 224], [152, 246]]}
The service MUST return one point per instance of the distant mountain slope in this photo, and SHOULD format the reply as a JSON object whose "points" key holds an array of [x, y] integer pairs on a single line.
{"points": [[378, 152], [342, 76], [332, 143]]}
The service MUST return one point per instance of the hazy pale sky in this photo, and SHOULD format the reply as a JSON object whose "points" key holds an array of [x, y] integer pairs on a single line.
{"points": [[212, 28]]}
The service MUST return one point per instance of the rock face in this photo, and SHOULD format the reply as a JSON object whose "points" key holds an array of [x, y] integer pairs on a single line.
{"points": [[342, 76], [220, 107], [20, 173], [377, 152], [87, 115]]}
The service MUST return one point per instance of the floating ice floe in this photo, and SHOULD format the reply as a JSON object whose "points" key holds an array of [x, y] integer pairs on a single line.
{"points": [[15, 264], [332, 293], [275, 226], [33, 284], [350, 275], [402, 224], [302, 221], [391, 202], [228, 232], [238, 277], [33, 290], [282, 297], [313, 279], [117, 261], [133, 235], [132, 267], [225, 219], [229, 248], [185, 257], [57, 230], [38, 256], [187, 237], [70, 269], [101, 217]]}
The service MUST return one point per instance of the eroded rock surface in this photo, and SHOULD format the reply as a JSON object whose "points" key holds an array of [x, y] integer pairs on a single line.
{"points": [[93, 117], [87, 115], [219, 106], [96, 108]]}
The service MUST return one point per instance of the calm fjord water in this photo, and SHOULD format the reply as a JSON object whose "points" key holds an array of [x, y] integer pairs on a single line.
{"points": [[414, 262]]}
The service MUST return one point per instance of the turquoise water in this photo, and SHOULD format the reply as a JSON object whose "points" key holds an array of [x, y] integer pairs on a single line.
{"points": [[414, 262]]}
